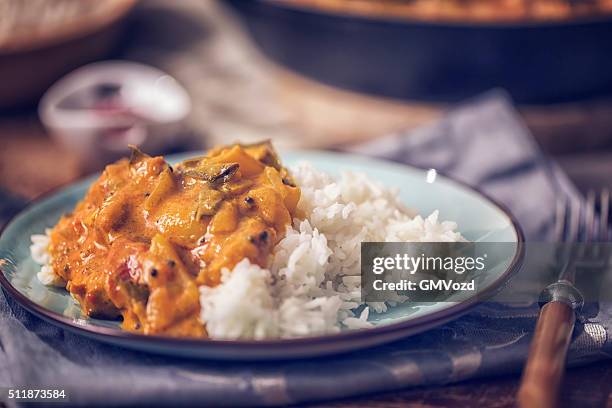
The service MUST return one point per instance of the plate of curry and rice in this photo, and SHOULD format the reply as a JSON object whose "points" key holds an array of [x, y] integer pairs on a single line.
{"points": [[240, 253]]}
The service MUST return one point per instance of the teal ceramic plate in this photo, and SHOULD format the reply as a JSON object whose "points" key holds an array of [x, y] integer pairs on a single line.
{"points": [[478, 217]]}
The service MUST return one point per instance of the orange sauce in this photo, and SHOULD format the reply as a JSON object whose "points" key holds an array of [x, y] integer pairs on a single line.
{"points": [[146, 235]]}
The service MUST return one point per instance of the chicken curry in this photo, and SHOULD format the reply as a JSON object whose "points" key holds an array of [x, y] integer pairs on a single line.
{"points": [[147, 234]]}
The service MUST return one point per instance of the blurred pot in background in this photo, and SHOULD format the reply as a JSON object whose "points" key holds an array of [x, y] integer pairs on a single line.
{"points": [[41, 40], [422, 55], [97, 110]]}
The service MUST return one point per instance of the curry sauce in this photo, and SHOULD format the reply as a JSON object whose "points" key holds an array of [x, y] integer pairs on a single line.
{"points": [[147, 235]]}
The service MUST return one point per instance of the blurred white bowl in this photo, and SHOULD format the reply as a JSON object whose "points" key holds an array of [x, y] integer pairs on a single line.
{"points": [[97, 110]]}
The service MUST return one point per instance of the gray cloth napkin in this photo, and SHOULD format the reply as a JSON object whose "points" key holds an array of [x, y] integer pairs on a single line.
{"points": [[483, 143]]}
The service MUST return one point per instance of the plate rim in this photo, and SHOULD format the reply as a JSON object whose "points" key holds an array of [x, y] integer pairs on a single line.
{"points": [[112, 334]]}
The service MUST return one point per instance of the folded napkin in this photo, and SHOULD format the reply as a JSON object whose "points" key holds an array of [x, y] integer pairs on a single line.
{"points": [[483, 143]]}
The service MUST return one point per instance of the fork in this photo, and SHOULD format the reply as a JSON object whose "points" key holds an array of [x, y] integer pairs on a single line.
{"points": [[578, 232]]}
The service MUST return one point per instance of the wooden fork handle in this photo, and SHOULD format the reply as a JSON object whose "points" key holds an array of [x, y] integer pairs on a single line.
{"points": [[546, 363]]}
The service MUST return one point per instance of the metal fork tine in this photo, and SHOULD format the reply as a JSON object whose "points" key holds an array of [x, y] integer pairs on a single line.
{"points": [[560, 217], [591, 234], [574, 222], [604, 228]]}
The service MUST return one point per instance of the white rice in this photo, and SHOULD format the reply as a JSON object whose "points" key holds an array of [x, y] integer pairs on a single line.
{"points": [[313, 285], [41, 256]]}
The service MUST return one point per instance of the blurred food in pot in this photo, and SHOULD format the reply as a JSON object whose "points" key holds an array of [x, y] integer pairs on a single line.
{"points": [[466, 10], [40, 40]]}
